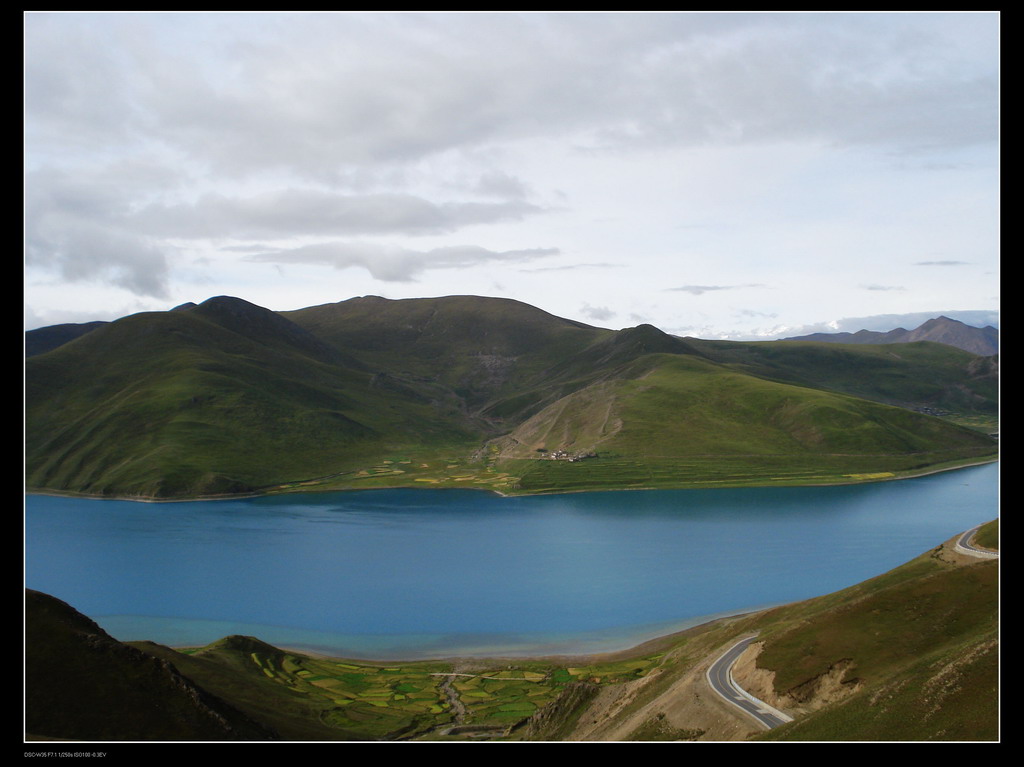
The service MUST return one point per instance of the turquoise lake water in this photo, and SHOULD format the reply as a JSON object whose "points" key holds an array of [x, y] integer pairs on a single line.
{"points": [[426, 573]]}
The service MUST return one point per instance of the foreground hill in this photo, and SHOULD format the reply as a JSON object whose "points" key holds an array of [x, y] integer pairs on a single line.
{"points": [[81, 684], [909, 655], [228, 397], [921, 641], [46, 339]]}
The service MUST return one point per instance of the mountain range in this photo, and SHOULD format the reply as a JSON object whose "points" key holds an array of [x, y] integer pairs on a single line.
{"points": [[228, 397], [942, 330]]}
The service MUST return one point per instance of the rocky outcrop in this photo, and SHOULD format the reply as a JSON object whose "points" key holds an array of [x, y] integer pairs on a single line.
{"points": [[556, 719], [833, 685]]}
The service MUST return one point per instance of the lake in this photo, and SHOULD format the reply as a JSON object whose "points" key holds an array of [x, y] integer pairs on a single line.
{"points": [[426, 573]]}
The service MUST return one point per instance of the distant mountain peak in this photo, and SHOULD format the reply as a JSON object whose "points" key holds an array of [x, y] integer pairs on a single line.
{"points": [[941, 329], [231, 302], [42, 340], [941, 320]]}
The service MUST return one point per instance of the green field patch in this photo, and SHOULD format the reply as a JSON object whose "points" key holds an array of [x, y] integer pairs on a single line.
{"points": [[414, 707], [335, 686], [524, 707], [376, 694], [492, 684]]}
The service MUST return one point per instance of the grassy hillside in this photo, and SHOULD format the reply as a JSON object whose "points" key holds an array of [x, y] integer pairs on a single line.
{"points": [[227, 397], [679, 419], [179, 403], [262, 692], [919, 652], [921, 374], [911, 655], [82, 684], [479, 348]]}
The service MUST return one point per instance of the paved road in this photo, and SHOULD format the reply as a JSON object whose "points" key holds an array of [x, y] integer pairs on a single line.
{"points": [[965, 546], [720, 678]]}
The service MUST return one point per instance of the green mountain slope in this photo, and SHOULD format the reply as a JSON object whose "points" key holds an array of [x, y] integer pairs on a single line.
{"points": [[910, 655], [82, 684], [46, 339], [717, 411], [920, 374], [668, 420], [475, 349], [204, 402], [228, 397]]}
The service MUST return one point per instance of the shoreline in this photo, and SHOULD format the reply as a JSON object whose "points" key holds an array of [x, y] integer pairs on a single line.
{"points": [[267, 493], [653, 644]]}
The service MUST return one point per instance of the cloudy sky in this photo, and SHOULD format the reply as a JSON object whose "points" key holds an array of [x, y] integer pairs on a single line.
{"points": [[721, 175]]}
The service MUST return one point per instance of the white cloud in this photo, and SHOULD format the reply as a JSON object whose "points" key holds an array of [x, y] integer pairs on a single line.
{"points": [[395, 264], [496, 183], [571, 267], [315, 92], [801, 150], [72, 230], [309, 212], [698, 290], [600, 313]]}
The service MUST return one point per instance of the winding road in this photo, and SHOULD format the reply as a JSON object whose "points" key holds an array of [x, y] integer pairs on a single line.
{"points": [[719, 676], [964, 546]]}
